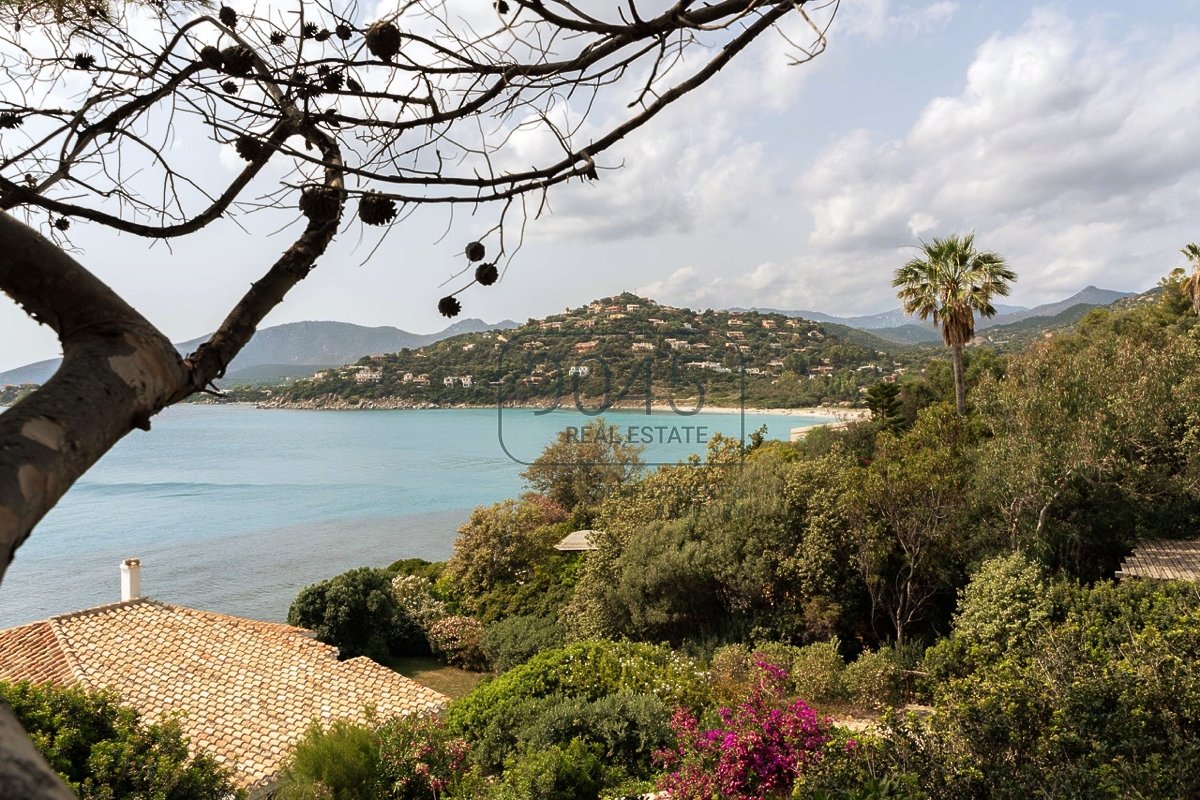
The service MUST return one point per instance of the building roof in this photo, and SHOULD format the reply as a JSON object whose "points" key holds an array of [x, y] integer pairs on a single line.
{"points": [[577, 542], [245, 691], [1163, 559]]}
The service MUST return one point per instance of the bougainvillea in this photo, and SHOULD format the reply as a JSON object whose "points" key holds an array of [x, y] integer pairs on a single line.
{"points": [[756, 751]]}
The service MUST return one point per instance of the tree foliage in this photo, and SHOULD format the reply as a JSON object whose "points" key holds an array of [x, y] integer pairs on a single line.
{"points": [[948, 283], [358, 613], [103, 750], [581, 467]]}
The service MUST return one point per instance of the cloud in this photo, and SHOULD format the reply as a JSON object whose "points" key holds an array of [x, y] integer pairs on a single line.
{"points": [[876, 19], [1074, 155]]}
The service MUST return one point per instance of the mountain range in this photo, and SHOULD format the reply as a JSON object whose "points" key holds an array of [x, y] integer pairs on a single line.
{"points": [[896, 326], [300, 349], [295, 349]]}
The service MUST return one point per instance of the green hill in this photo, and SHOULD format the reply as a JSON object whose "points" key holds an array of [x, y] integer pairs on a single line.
{"points": [[623, 349]]}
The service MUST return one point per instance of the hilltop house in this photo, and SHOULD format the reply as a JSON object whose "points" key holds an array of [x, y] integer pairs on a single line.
{"points": [[244, 691], [368, 375]]}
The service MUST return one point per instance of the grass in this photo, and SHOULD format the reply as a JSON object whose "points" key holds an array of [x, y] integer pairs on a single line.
{"points": [[428, 671]]}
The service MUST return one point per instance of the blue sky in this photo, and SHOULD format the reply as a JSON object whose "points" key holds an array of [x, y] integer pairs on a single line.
{"points": [[1066, 135]]}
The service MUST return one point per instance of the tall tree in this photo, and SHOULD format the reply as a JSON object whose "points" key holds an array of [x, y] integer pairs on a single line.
{"points": [[1191, 285], [949, 282], [116, 115]]}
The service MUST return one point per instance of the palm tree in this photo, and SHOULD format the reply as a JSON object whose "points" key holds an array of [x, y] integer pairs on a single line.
{"points": [[949, 282], [1191, 285]]}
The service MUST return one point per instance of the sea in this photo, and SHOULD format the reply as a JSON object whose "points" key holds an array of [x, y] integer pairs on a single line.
{"points": [[235, 509]]}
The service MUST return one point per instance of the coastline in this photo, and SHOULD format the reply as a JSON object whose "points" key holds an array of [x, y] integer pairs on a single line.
{"points": [[839, 415]]}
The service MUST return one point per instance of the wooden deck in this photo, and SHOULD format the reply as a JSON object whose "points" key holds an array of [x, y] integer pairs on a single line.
{"points": [[1164, 560]]}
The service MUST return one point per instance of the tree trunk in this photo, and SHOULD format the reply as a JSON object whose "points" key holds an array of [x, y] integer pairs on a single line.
{"points": [[960, 387]]}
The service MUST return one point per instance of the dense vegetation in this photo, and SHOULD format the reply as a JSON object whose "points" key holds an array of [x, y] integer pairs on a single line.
{"points": [[961, 562], [103, 751], [626, 349]]}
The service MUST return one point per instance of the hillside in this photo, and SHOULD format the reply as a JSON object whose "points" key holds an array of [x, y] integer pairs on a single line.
{"points": [[1047, 313], [293, 350], [624, 348], [896, 326]]}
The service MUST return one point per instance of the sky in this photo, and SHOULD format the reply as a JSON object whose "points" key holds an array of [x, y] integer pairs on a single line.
{"points": [[1065, 135]]}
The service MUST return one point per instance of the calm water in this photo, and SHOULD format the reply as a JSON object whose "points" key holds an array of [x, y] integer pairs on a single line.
{"points": [[234, 509]]}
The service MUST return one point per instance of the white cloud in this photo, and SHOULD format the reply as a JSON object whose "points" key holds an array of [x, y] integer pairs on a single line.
{"points": [[875, 19], [1074, 156]]}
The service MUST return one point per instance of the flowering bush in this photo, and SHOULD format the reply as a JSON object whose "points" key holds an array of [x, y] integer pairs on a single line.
{"points": [[419, 759], [459, 640], [756, 751]]}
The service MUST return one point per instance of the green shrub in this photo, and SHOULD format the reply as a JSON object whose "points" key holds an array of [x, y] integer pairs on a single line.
{"points": [[875, 679], [573, 772], [418, 568], [357, 612], [816, 669], [459, 640], [731, 673], [103, 751], [513, 641], [586, 670], [1106, 699], [628, 728], [338, 763], [1000, 612]]}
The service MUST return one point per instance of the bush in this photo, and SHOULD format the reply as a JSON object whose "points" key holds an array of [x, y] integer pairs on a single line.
{"points": [[875, 679], [627, 728], [338, 763], [513, 641], [357, 613], [1000, 612], [586, 670], [1106, 698], [755, 752], [459, 640], [419, 758], [103, 751], [419, 608], [573, 772], [815, 669]]}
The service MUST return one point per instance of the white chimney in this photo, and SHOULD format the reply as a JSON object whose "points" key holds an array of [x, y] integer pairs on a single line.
{"points": [[131, 579]]}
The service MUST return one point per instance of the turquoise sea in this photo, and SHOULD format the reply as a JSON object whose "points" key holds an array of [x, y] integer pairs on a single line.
{"points": [[234, 509]]}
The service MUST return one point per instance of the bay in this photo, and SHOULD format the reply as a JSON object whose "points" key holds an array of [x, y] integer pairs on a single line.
{"points": [[235, 509]]}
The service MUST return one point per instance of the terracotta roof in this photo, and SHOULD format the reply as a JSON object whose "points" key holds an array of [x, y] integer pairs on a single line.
{"points": [[577, 542], [245, 691], [1163, 559]]}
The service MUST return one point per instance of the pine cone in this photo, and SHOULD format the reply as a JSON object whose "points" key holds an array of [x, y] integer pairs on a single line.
{"points": [[237, 60], [449, 306], [319, 204], [476, 251], [375, 209], [228, 16], [383, 40], [84, 61], [486, 274], [211, 56], [249, 148]]}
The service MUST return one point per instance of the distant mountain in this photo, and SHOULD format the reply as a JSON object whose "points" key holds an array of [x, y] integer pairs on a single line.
{"points": [[1090, 296], [296, 349], [896, 326], [872, 322], [915, 332]]}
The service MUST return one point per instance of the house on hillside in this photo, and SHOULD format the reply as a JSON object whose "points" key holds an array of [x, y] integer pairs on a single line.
{"points": [[245, 691], [368, 375]]}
